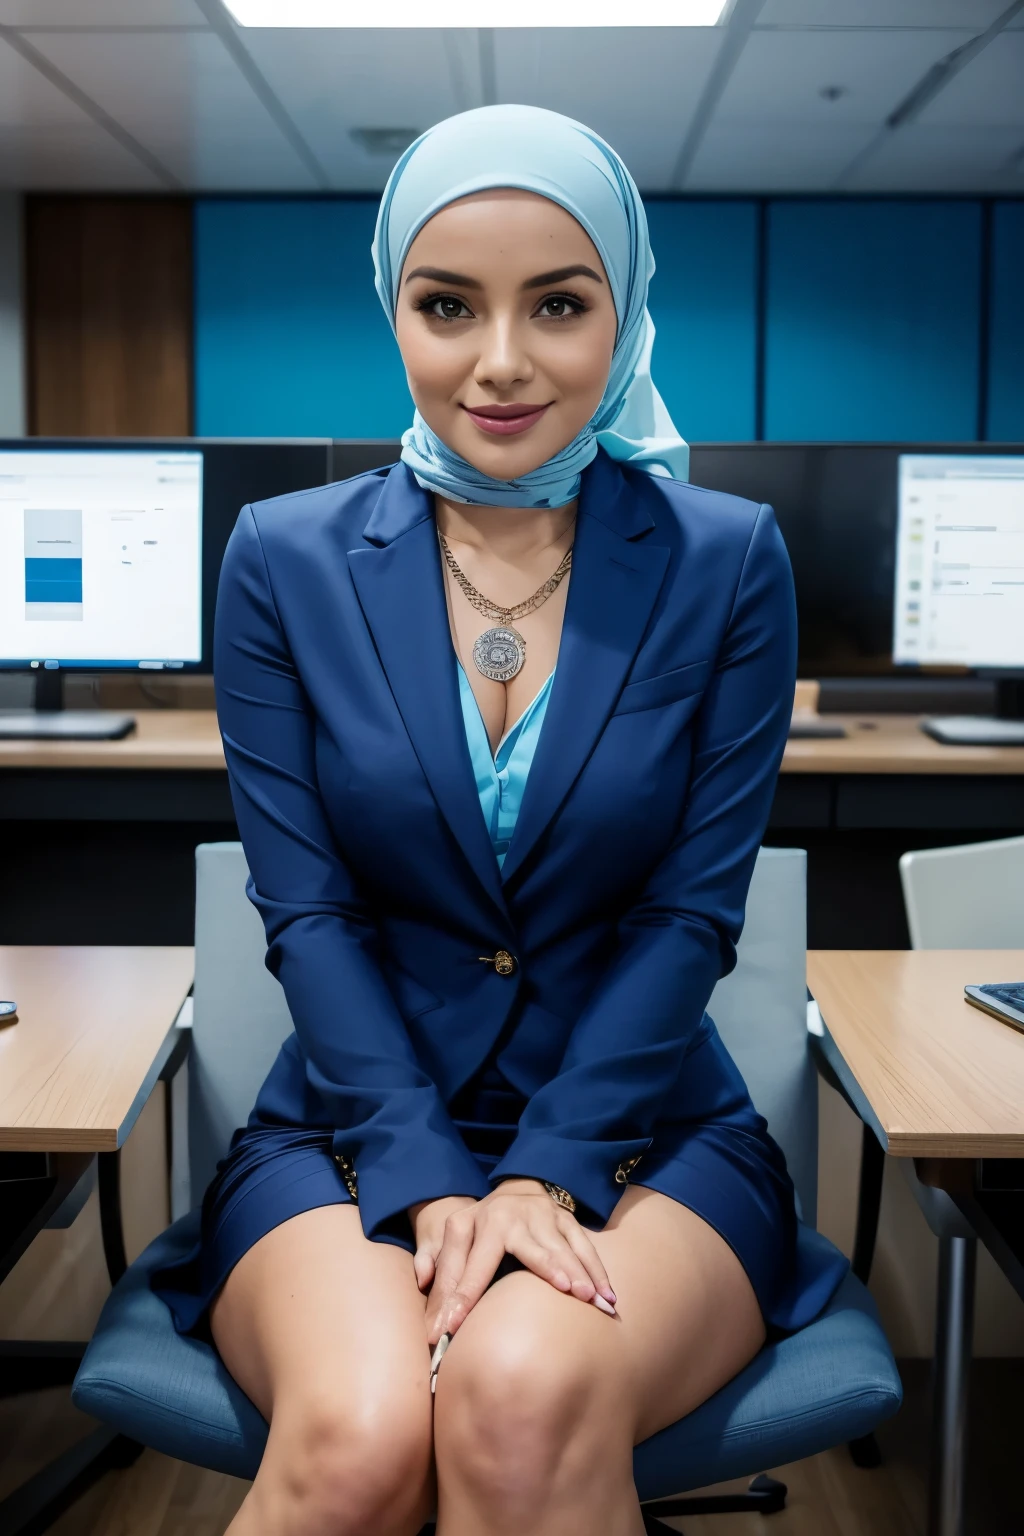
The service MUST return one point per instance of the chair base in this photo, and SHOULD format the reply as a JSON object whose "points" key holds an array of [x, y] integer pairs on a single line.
{"points": [[865, 1452], [764, 1496], [33, 1508]]}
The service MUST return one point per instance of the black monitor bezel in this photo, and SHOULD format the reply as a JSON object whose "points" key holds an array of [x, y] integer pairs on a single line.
{"points": [[894, 671], [137, 668]]}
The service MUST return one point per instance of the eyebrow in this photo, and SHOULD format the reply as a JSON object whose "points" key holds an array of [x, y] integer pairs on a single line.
{"points": [[459, 280], [439, 275], [560, 274]]}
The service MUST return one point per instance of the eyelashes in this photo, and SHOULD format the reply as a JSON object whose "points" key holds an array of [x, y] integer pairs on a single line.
{"points": [[430, 304]]}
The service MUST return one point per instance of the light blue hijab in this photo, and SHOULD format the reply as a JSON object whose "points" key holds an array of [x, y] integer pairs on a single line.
{"points": [[538, 151]]}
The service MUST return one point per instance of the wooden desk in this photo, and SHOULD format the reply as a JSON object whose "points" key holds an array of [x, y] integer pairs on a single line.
{"points": [[188, 739], [95, 1031], [91, 1041], [932, 1078], [895, 744], [163, 738], [935, 1077], [125, 816]]}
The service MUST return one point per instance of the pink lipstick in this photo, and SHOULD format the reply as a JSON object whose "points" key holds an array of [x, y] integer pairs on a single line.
{"points": [[505, 420]]}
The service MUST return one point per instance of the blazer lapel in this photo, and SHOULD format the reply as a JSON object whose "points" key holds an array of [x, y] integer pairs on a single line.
{"points": [[401, 593], [612, 590]]}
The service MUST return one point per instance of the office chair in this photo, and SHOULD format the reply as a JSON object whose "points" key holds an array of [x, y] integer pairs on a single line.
{"points": [[831, 1382]]}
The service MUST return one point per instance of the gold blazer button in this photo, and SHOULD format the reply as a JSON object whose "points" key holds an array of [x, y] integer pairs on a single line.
{"points": [[503, 962]]}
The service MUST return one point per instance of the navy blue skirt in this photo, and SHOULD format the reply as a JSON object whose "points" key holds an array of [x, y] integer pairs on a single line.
{"points": [[725, 1168]]}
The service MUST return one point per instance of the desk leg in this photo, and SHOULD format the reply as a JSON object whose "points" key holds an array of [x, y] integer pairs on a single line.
{"points": [[954, 1324]]}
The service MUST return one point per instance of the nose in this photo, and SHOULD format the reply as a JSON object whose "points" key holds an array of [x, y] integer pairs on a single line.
{"points": [[504, 360]]}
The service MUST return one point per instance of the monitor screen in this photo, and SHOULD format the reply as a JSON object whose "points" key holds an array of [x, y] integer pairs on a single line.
{"points": [[959, 586], [100, 557]]}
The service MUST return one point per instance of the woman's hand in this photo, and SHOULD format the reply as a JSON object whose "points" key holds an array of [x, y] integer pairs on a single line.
{"points": [[428, 1223], [518, 1217]]}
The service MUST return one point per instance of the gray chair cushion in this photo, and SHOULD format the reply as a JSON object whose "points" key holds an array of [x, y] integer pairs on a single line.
{"points": [[831, 1382]]}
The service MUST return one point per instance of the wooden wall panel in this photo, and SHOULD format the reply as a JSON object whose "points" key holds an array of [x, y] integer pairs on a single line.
{"points": [[108, 284]]}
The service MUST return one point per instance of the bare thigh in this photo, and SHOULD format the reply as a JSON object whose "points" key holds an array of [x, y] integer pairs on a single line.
{"points": [[324, 1331], [314, 1299], [688, 1321]]}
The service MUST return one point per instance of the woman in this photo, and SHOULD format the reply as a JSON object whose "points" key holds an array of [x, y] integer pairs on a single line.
{"points": [[504, 1115]]}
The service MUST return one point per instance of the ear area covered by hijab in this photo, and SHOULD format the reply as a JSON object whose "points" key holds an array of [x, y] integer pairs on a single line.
{"points": [[534, 150]]}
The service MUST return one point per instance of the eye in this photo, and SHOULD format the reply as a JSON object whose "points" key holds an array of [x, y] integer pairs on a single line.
{"points": [[560, 306], [444, 306]]}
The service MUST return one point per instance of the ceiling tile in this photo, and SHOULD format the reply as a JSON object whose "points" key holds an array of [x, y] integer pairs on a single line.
{"points": [[636, 87], [780, 76], [183, 97], [335, 80], [989, 90], [46, 141], [975, 15], [929, 158], [781, 157], [100, 13], [53, 159]]}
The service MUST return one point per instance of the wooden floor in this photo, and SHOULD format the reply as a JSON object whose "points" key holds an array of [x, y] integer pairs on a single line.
{"points": [[829, 1496]]}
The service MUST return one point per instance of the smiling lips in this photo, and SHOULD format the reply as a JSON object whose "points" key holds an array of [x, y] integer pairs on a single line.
{"points": [[505, 420]]}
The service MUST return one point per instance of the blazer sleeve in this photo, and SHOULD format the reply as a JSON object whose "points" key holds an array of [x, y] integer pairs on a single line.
{"points": [[322, 940], [627, 1048]]}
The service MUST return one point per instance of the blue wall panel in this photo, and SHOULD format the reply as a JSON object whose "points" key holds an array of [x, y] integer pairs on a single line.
{"points": [[1006, 337], [704, 306], [289, 337], [872, 320]]}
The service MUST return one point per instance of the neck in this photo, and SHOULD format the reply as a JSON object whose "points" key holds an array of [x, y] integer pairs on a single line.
{"points": [[511, 532]]}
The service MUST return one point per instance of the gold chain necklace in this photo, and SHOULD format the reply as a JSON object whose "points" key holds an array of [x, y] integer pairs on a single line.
{"points": [[499, 653]]}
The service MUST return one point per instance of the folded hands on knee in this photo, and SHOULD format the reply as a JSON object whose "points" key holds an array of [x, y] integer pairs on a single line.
{"points": [[461, 1241]]}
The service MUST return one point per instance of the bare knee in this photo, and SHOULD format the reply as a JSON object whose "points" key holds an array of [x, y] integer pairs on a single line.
{"points": [[519, 1418], [345, 1469]]}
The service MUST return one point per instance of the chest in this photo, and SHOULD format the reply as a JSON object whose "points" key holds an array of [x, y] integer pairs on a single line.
{"points": [[503, 703]]}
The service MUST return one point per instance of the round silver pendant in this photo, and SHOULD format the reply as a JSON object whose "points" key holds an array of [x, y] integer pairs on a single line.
{"points": [[499, 654]]}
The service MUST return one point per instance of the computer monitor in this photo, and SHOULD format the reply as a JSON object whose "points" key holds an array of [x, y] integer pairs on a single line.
{"points": [[100, 567], [959, 583]]}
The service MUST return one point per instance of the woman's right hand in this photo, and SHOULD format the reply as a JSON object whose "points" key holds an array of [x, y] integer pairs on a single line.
{"points": [[428, 1219]]}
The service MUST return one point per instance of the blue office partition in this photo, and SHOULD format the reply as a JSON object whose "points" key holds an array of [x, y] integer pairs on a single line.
{"points": [[1006, 334], [872, 320], [289, 337], [703, 301]]}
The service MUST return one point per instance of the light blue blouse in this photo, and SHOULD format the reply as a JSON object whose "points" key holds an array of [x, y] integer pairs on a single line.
{"points": [[501, 777]]}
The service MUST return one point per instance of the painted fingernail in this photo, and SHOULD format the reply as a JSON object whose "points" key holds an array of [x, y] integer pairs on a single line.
{"points": [[439, 1349], [605, 1306], [609, 1295]]}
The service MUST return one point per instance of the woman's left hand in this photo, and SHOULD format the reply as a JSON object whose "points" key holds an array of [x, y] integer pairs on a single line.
{"points": [[518, 1217]]}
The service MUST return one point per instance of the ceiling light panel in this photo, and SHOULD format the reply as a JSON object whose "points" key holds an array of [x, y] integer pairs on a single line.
{"points": [[465, 13]]}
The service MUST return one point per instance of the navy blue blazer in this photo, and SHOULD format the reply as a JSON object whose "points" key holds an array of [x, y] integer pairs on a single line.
{"points": [[622, 895]]}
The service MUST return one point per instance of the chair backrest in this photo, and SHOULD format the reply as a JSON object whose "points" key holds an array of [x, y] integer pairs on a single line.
{"points": [[760, 1009], [970, 897], [240, 1016]]}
